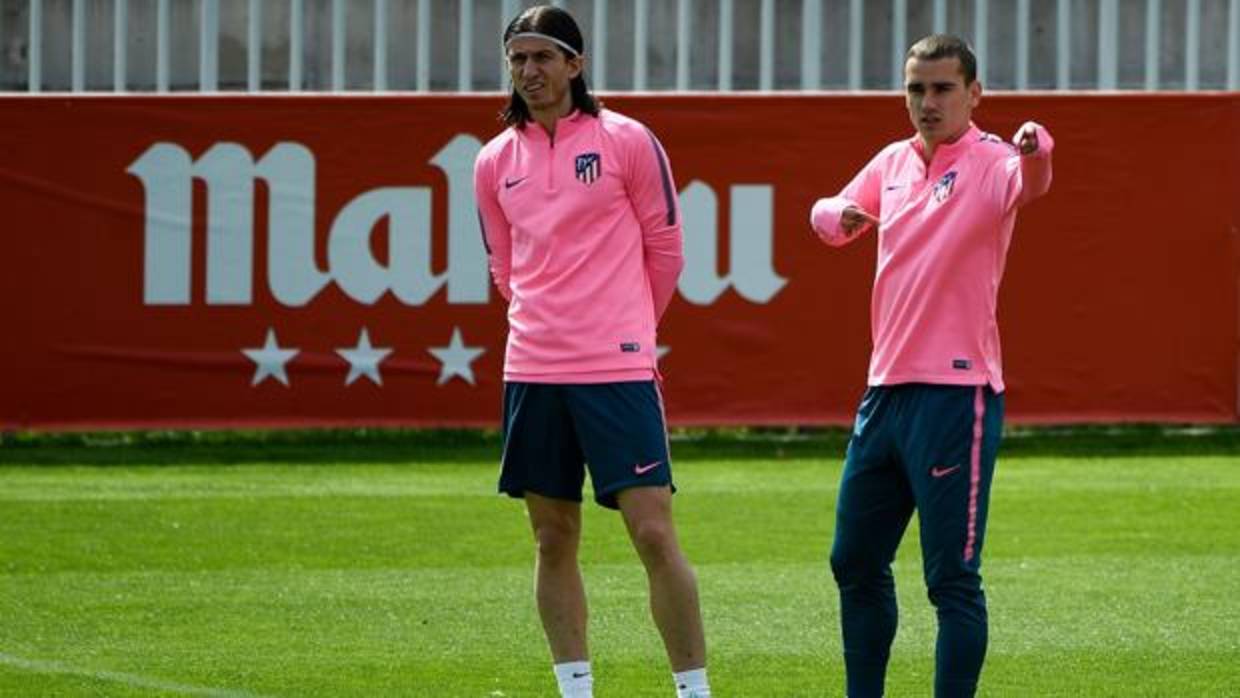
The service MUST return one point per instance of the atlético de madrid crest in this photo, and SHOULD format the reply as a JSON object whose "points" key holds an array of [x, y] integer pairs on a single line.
{"points": [[589, 167], [943, 187]]}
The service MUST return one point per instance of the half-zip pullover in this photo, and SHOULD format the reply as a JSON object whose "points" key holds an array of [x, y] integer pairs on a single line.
{"points": [[583, 238], [944, 231]]}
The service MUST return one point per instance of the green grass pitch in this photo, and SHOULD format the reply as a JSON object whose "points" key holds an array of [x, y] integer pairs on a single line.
{"points": [[387, 566]]}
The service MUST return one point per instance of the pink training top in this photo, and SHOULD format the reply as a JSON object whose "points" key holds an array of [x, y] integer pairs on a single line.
{"points": [[583, 236], [942, 241]]}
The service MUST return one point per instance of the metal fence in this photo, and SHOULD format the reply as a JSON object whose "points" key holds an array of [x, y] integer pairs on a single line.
{"points": [[453, 45]]}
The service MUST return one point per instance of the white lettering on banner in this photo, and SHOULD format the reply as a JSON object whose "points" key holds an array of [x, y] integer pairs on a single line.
{"points": [[467, 256], [408, 210], [228, 171], [753, 271], [357, 272]]}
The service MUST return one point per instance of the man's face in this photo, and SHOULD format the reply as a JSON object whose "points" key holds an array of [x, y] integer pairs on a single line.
{"points": [[541, 73], [940, 105]]}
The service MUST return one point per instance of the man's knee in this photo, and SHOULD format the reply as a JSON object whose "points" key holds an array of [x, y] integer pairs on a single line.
{"points": [[842, 566], [556, 539], [655, 540], [854, 566], [648, 516], [958, 593]]}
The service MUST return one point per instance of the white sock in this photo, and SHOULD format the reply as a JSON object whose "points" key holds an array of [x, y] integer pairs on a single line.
{"points": [[692, 684], [575, 679]]}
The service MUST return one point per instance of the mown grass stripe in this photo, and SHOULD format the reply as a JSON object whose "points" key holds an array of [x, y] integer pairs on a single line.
{"points": [[39, 666]]}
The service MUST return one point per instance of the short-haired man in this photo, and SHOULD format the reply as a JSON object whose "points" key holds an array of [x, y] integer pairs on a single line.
{"points": [[580, 218], [927, 431]]}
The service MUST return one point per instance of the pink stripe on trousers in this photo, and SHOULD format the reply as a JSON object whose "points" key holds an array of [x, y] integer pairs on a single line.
{"points": [[975, 471]]}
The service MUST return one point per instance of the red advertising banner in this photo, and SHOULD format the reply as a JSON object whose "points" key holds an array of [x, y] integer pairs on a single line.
{"points": [[209, 261]]}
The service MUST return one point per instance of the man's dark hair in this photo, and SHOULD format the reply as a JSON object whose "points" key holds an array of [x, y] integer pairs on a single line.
{"points": [[554, 22], [937, 46]]}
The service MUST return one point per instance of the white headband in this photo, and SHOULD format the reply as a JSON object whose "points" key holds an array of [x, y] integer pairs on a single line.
{"points": [[535, 35]]}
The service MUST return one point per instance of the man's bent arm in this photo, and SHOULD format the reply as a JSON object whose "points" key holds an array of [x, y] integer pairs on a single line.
{"points": [[496, 231], [863, 192], [1029, 175], [653, 193]]}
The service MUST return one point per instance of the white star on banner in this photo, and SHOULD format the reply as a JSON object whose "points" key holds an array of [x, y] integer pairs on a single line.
{"points": [[364, 359], [456, 359], [269, 360]]}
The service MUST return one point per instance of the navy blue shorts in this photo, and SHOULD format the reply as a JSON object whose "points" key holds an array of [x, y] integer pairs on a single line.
{"points": [[553, 431]]}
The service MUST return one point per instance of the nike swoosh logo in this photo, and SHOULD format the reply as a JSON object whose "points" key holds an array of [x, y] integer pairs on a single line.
{"points": [[943, 472], [510, 183], [895, 186], [581, 675], [643, 469]]}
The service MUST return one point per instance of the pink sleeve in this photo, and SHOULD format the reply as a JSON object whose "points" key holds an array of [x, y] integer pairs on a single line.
{"points": [[653, 194], [864, 192], [496, 232], [1028, 176]]}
